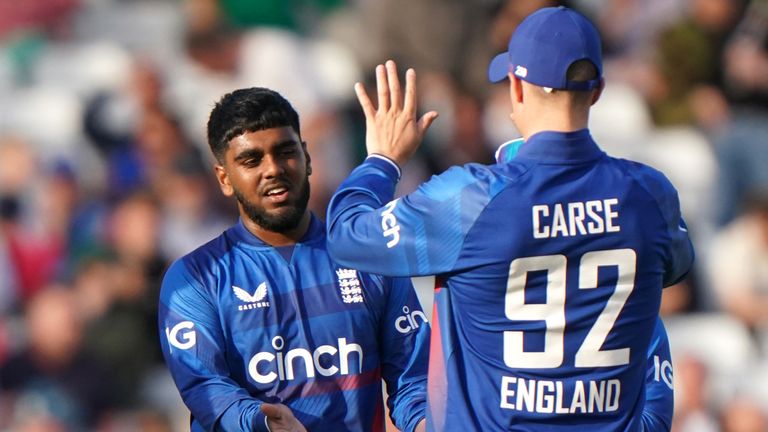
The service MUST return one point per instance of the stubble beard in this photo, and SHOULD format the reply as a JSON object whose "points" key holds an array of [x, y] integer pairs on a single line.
{"points": [[281, 221]]}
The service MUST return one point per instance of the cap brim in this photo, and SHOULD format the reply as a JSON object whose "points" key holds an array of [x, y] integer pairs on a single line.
{"points": [[499, 67]]}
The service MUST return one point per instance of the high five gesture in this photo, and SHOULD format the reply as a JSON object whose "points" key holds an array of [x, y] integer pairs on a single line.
{"points": [[393, 129]]}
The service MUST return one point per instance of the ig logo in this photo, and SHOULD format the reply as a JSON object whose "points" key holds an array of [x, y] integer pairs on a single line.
{"points": [[407, 322], [662, 371], [186, 339]]}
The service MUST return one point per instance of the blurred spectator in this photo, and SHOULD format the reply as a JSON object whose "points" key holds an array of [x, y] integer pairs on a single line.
{"points": [[191, 214], [743, 415], [689, 58], [53, 381], [738, 264], [39, 14], [33, 225], [121, 330], [693, 410]]}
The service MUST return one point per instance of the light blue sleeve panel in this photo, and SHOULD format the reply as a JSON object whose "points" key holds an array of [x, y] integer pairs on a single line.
{"points": [[659, 390], [419, 234], [680, 253], [194, 349]]}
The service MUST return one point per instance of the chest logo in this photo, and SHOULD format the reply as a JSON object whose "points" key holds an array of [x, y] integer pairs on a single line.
{"points": [[252, 301], [349, 286]]}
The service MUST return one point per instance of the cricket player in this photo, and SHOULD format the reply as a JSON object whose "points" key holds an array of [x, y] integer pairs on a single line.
{"points": [[261, 329], [549, 266]]}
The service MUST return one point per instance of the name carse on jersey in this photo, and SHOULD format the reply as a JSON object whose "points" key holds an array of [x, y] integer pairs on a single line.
{"points": [[575, 218]]}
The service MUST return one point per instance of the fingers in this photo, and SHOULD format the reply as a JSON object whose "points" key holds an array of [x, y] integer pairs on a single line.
{"points": [[396, 98], [272, 411], [382, 87], [426, 121], [365, 102], [410, 92]]}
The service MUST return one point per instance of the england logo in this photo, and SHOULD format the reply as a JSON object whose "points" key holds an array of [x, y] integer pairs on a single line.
{"points": [[252, 301], [349, 286]]}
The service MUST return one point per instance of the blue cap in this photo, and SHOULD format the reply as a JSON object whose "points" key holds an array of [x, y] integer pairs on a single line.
{"points": [[544, 46]]}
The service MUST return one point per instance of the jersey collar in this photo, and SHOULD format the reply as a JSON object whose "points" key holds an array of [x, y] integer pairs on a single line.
{"points": [[315, 232], [569, 147]]}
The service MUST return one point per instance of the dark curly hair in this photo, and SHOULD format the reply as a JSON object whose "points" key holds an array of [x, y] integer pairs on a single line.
{"points": [[248, 110]]}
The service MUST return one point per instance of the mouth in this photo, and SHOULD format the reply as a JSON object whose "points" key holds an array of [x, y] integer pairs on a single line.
{"points": [[277, 194]]}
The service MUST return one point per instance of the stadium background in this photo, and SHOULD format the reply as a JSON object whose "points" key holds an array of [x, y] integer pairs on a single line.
{"points": [[105, 174]]}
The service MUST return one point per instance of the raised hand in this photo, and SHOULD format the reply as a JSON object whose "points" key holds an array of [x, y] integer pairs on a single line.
{"points": [[392, 128], [280, 418]]}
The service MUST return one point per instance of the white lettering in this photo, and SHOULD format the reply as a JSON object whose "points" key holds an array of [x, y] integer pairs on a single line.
{"points": [[406, 323], [344, 351], [575, 218], [558, 222], [389, 224], [579, 401], [596, 396], [526, 395], [188, 338], [596, 226], [610, 215], [266, 367], [542, 210], [613, 391], [506, 392], [547, 397], [544, 400], [663, 371]]}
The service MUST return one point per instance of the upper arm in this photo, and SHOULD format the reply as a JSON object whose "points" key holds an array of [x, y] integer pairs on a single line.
{"points": [[194, 347], [678, 252], [421, 233]]}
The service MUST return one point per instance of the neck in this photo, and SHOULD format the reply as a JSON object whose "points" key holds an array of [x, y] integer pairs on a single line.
{"points": [[554, 121], [274, 238]]}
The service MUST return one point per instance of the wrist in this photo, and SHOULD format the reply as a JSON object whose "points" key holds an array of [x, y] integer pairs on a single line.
{"points": [[386, 161]]}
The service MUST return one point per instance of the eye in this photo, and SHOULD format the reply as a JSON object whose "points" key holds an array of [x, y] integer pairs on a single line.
{"points": [[251, 162]]}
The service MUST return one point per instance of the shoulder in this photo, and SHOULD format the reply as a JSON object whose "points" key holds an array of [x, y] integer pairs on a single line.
{"points": [[651, 179], [489, 178], [202, 263]]}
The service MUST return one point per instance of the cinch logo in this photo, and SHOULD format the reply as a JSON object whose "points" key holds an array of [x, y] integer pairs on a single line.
{"points": [[266, 367], [187, 339], [406, 323], [389, 224], [253, 301], [521, 71]]}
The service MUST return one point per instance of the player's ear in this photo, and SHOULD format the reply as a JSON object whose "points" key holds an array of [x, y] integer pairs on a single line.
{"points": [[306, 155], [515, 88], [598, 92], [223, 179]]}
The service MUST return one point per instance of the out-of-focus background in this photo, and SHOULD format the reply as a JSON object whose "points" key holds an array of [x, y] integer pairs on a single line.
{"points": [[105, 174]]}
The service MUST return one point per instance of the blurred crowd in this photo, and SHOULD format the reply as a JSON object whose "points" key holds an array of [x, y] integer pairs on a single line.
{"points": [[105, 173]]}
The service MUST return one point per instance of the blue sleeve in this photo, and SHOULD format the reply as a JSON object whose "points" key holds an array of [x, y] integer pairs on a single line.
{"points": [[659, 390], [194, 349], [679, 251], [417, 235], [405, 354]]}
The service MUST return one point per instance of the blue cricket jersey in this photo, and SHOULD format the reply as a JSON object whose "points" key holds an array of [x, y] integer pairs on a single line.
{"points": [[549, 271], [243, 323]]}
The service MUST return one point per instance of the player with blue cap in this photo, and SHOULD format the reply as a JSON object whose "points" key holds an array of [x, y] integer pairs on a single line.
{"points": [[549, 264]]}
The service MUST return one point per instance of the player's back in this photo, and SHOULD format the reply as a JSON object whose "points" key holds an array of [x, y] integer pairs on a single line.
{"points": [[549, 271], [554, 296]]}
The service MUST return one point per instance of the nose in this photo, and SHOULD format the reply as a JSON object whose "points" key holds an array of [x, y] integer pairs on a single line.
{"points": [[273, 166]]}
